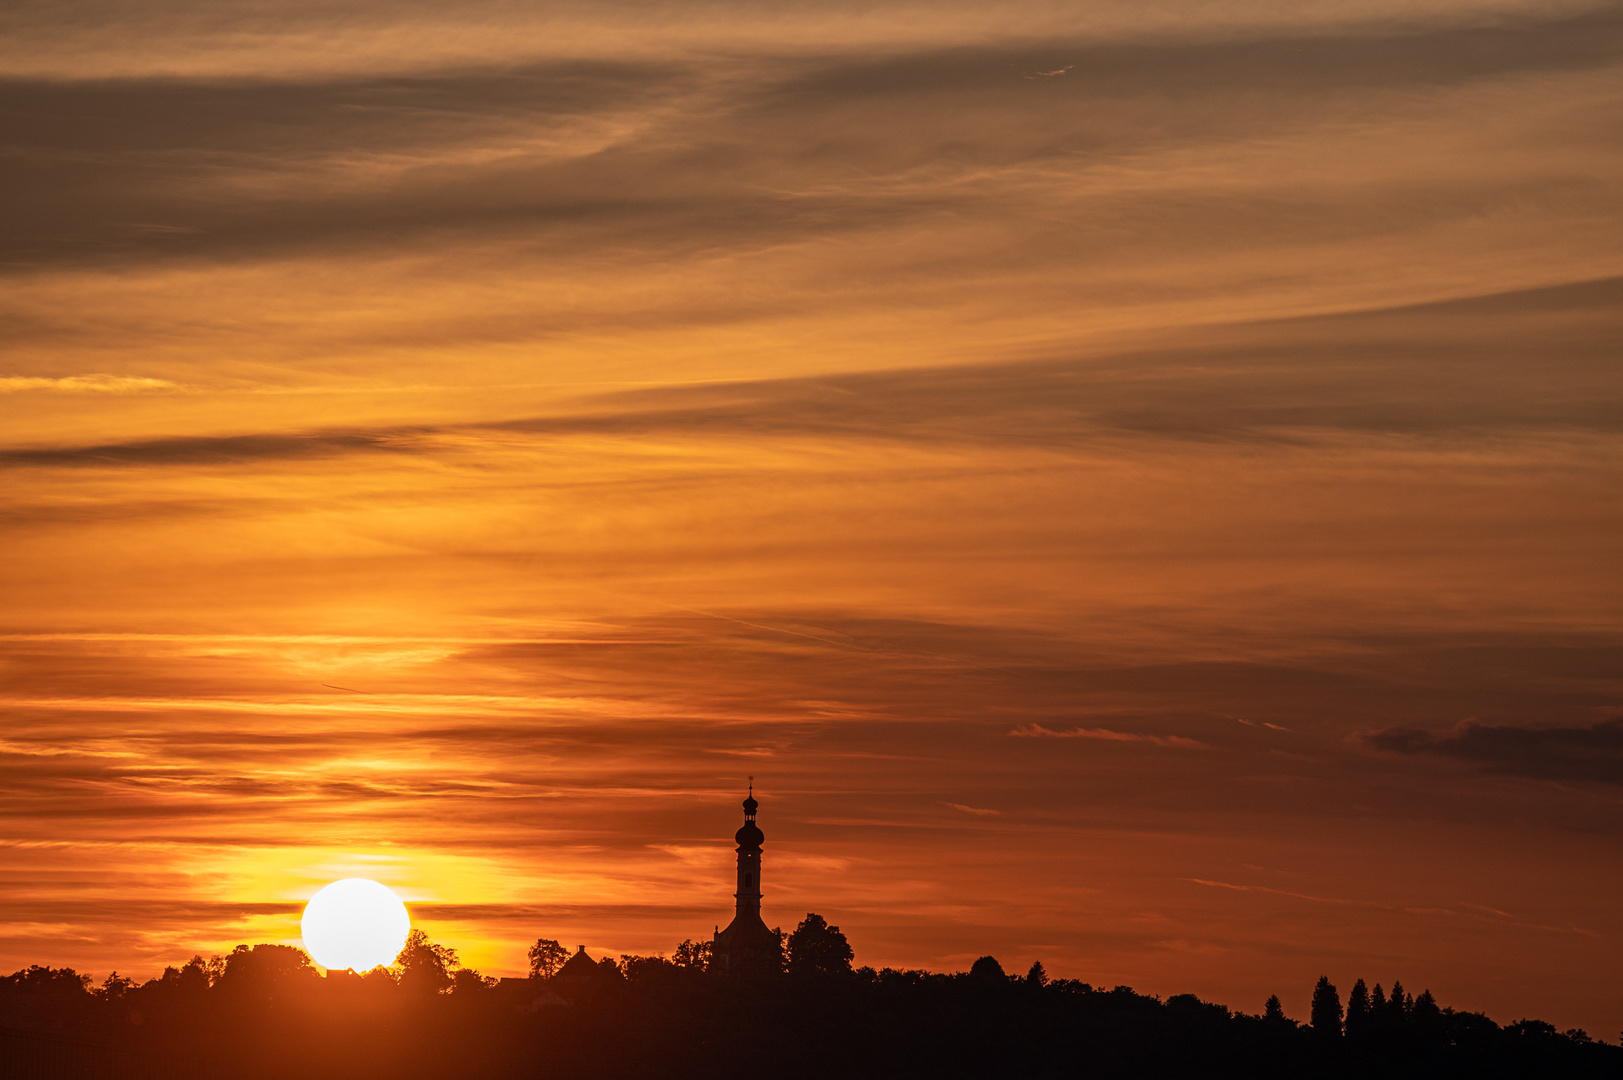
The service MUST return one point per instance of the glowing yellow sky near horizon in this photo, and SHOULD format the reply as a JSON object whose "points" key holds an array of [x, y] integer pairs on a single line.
{"points": [[455, 447]]}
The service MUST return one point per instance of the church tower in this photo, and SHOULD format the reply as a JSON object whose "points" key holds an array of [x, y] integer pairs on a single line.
{"points": [[747, 947]]}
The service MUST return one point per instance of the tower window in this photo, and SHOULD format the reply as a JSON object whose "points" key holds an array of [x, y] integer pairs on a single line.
{"points": [[749, 879]]}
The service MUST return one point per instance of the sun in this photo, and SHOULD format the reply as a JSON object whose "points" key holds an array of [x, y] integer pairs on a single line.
{"points": [[355, 923]]}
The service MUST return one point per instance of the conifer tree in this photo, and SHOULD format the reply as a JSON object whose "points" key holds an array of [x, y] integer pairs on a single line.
{"points": [[1425, 1014], [1358, 1005], [1273, 1011], [1326, 1010]]}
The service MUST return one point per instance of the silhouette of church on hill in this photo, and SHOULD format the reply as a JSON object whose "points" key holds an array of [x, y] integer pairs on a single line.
{"points": [[747, 947]]}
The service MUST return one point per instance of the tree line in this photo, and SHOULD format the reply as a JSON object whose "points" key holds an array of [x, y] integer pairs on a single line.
{"points": [[264, 1011]]}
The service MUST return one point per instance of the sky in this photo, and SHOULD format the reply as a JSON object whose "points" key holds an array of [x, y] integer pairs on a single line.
{"points": [[1135, 485]]}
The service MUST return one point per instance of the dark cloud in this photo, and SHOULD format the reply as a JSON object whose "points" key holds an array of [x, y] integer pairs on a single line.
{"points": [[734, 154], [1471, 366], [1237, 64], [222, 450], [1593, 753]]}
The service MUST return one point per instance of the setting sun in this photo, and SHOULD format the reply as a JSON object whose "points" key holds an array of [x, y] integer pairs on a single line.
{"points": [[355, 923]]}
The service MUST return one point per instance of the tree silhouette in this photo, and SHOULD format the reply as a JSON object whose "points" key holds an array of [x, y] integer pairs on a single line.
{"points": [[380, 978], [266, 970], [816, 948], [668, 1020], [693, 954], [546, 957], [1397, 1006], [1036, 976], [1426, 1016], [647, 968], [194, 976], [987, 969], [469, 981], [1358, 1006], [114, 987], [48, 981], [425, 967], [1326, 1010], [1273, 1011]]}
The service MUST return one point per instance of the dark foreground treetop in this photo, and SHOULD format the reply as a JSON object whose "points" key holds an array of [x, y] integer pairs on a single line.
{"points": [[649, 1018]]}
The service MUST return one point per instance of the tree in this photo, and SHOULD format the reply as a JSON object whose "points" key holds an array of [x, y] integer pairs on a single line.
{"points": [[379, 978], [114, 987], [546, 957], [1273, 1011], [469, 981], [1427, 1017], [646, 968], [265, 970], [194, 976], [1358, 1006], [816, 948], [987, 969], [425, 967], [48, 981], [1326, 1009], [693, 954], [1036, 976]]}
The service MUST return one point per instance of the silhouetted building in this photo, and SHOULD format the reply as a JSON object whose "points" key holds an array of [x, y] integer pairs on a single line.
{"points": [[577, 973], [747, 947]]}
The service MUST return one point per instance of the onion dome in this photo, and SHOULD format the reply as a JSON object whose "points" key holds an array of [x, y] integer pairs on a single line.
{"points": [[750, 836], [750, 806]]}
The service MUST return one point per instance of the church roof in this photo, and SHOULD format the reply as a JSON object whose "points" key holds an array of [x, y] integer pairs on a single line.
{"points": [[579, 966]]}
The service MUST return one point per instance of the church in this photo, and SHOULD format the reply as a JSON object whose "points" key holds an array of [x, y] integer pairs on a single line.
{"points": [[747, 947]]}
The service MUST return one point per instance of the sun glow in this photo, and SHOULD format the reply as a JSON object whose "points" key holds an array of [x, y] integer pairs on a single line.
{"points": [[355, 923]]}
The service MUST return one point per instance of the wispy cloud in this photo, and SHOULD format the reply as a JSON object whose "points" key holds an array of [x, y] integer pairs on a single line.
{"points": [[1258, 723], [84, 384], [979, 811], [1037, 731]]}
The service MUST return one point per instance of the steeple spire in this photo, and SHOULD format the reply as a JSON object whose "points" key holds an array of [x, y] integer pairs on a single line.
{"points": [[747, 946]]}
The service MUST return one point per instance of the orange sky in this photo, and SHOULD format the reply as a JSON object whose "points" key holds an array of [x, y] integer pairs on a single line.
{"points": [[1138, 488]]}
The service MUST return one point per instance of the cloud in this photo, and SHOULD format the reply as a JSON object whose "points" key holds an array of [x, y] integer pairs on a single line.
{"points": [[1592, 753], [669, 156], [84, 384], [1256, 723], [977, 810], [1256, 388], [220, 450], [1037, 731]]}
